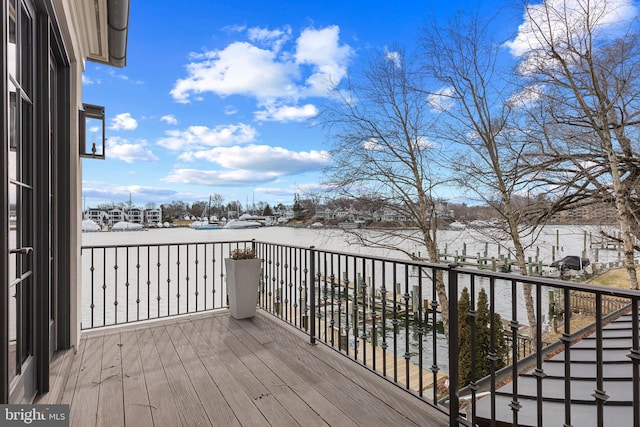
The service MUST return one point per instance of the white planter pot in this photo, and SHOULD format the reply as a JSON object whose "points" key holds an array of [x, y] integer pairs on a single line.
{"points": [[243, 280]]}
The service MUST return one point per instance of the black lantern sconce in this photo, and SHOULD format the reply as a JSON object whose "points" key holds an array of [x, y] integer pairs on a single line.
{"points": [[92, 132]]}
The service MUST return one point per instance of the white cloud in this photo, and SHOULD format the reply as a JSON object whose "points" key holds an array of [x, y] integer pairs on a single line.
{"points": [[540, 24], [394, 57], [525, 97], [230, 110], [253, 164], [286, 113], [239, 69], [264, 69], [169, 119], [322, 50], [88, 81], [219, 178], [119, 148], [123, 121], [262, 158], [273, 38], [199, 137], [442, 100], [371, 145]]}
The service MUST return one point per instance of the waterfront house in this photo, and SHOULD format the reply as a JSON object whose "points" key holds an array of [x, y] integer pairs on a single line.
{"points": [[96, 215], [153, 216], [116, 215], [135, 215]]}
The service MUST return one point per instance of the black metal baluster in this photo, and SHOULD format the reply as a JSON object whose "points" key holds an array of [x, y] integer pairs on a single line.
{"points": [[312, 294], [383, 295], [197, 291], [340, 330], [435, 368], [126, 286], [634, 355], [115, 287], [138, 283], [148, 282], [473, 317], [492, 344], [169, 280], [515, 326], [420, 335], [407, 354], [454, 349], [363, 285], [394, 322], [178, 276], [347, 326], [566, 339], [93, 305], [158, 297], [539, 371], [323, 276], [599, 394]]}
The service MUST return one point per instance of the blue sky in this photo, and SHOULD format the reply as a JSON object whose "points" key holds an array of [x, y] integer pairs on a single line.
{"points": [[223, 97]]}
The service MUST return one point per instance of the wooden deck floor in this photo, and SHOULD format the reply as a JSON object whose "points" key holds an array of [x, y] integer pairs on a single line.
{"points": [[214, 370]]}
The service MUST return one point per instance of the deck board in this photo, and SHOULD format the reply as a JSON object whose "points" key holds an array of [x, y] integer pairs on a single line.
{"points": [[214, 370]]}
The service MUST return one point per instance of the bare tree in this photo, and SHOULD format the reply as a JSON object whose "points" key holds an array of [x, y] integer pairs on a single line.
{"points": [[583, 59], [381, 152], [479, 114]]}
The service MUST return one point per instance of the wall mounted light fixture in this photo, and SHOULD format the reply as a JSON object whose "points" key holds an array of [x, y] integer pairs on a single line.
{"points": [[92, 132]]}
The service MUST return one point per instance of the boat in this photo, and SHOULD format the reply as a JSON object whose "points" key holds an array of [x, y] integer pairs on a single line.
{"points": [[126, 226], [241, 223], [89, 226], [206, 222], [205, 225], [570, 262]]}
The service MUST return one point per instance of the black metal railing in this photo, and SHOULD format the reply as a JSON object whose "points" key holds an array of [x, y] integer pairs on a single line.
{"points": [[385, 314]]}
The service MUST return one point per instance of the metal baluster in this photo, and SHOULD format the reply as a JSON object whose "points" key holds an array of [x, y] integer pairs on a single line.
{"points": [[383, 295], [539, 372], [115, 286], [454, 404], [473, 317], [407, 355], [312, 294], [394, 322], [566, 339], [599, 394], [634, 355], [363, 285], [420, 334], [515, 325]]}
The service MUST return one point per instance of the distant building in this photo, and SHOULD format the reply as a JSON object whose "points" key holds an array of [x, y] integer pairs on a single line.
{"points": [[96, 215], [135, 215], [153, 216], [116, 215]]}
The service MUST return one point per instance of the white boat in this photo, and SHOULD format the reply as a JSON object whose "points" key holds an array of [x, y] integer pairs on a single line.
{"points": [[205, 225], [89, 226], [126, 226], [317, 225], [241, 223]]}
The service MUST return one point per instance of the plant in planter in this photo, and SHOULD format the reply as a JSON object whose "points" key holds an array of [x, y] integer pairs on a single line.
{"points": [[243, 279]]}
